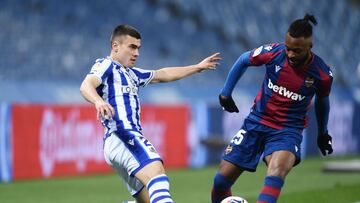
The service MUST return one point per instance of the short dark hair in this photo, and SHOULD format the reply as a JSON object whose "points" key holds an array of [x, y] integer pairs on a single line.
{"points": [[302, 27], [122, 30]]}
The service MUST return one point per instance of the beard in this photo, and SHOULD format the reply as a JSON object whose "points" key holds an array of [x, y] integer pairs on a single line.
{"points": [[298, 62]]}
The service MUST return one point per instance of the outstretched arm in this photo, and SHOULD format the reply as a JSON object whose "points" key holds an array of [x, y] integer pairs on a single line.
{"points": [[88, 91], [169, 74], [324, 140], [236, 71]]}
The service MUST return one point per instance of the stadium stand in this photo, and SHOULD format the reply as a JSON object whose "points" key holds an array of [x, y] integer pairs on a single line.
{"points": [[51, 45]]}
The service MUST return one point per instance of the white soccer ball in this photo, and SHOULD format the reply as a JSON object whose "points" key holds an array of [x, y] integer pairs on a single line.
{"points": [[234, 199]]}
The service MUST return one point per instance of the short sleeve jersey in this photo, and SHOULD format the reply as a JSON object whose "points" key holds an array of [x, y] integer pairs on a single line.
{"points": [[120, 88]]}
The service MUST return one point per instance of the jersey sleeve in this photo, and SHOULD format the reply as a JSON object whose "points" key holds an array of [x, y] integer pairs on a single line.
{"points": [[101, 69], [325, 83], [263, 54], [144, 76]]}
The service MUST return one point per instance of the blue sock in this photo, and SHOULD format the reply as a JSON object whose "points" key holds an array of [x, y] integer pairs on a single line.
{"points": [[221, 188]]}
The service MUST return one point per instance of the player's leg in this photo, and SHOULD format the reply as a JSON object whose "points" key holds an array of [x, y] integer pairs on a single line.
{"points": [[142, 196], [282, 153], [157, 183], [243, 153], [279, 165], [116, 154], [223, 181], [129, 153]]}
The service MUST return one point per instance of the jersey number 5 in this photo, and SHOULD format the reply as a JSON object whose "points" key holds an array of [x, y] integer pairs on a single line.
{"points": [[238, 138]]}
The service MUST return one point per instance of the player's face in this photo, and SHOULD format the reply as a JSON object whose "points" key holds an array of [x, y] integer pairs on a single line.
{"points": [[126, 50], [298, 50]]}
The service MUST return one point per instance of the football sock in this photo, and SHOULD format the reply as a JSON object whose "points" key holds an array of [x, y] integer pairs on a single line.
{"points": [[271, 190], [158, 188], [221, 188]]}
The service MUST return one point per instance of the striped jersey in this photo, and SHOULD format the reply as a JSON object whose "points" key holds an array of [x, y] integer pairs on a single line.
{"points": [[120, 88], [286, 92]]}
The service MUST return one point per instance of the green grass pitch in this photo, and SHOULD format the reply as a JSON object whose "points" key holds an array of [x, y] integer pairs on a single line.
{"points": [[306, 183]]}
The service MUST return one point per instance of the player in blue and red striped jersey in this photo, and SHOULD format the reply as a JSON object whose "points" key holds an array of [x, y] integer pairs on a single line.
{"points": [[294, 74], [113, 87]]}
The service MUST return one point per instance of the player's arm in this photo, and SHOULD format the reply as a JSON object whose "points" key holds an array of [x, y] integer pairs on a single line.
{"points": [[88, 91], [235, 73], [322, 109], [169, 74]]}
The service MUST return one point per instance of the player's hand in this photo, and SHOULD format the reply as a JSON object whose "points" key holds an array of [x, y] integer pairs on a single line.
{"points": [[210, 62], [228, 104], [324, 142], [104, 110]]}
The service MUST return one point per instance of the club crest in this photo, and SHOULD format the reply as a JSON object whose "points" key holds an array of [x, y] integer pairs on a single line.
{"points": [[228, 149]]}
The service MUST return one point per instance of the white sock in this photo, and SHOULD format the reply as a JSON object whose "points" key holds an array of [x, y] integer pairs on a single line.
{"points": [[158, 188]]}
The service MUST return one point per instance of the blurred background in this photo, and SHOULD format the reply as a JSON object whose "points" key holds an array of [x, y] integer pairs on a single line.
{"points": [[48, 46]]}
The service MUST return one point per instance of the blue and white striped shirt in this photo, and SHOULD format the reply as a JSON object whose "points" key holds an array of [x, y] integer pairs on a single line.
{"points": [[120, 88]]}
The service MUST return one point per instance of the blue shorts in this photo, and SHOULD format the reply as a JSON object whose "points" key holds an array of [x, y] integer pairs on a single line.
{"points": [[255, 139]]}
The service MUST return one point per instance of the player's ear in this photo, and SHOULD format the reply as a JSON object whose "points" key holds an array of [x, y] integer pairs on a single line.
{"points": [[115, 46], [308, 42]]}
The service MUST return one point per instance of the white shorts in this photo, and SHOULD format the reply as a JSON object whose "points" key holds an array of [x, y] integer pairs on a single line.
{"points": [[127, 153]]}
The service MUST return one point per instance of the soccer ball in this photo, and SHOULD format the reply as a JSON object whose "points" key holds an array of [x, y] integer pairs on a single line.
{"points": [[234, 199]]}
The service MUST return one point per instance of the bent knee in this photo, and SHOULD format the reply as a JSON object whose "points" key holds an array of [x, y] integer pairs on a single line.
{"points": [[149, 171], [280, 170]]}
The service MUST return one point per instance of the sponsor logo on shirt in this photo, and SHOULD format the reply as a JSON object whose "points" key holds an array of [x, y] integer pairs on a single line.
{"points": [[129, 89], [285, 92]]}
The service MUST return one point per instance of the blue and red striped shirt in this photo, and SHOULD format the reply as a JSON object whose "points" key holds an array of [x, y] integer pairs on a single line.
{"points": [[286, 92]]}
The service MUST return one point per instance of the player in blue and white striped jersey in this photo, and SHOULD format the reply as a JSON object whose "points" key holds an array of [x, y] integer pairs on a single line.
{"points": [[113, 86]]}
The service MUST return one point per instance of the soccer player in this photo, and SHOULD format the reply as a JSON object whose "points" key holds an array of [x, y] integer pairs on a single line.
{"points": [[113, 87], [294, 74]]}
